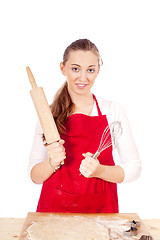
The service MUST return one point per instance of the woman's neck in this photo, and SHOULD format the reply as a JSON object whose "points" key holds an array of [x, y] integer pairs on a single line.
{"points": [[83, 103]]}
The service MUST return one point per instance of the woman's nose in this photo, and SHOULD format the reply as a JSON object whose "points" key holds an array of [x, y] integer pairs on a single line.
{"points": [[83, 76]]}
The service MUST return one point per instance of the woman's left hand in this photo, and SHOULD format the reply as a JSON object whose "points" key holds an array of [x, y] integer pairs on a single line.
{"points": [[90, 167]]}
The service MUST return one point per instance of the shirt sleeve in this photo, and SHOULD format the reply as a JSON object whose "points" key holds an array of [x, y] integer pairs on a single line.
{"points": [[125, 145], [38, 151]]}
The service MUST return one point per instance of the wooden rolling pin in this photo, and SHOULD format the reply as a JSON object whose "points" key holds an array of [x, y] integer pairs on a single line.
{"points": [[43, 110]]}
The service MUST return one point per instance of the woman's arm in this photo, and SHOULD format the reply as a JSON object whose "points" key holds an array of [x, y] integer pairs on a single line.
{"points": [[126, 147], [41, 171], [92, 168], [114, 174], [44, 160]]}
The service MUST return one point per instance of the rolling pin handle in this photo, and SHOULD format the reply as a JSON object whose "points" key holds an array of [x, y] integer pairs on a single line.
{"points": [[31, 77]]}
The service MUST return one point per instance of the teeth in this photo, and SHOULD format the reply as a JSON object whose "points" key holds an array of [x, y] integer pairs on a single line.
{"points": [[79, 84]]}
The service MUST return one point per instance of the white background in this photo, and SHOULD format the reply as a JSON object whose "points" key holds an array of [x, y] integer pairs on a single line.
{"points": [[35, 33]]}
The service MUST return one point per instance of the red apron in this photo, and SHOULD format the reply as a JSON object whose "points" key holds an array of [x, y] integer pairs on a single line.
{"points": [[67, 190]]}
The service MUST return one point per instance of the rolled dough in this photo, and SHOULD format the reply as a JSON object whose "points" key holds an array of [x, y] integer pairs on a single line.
{"points": [[67, 228]]}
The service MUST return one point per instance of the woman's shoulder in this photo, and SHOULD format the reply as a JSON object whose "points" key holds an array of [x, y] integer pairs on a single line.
{"points": [[112, 109], [109, 105]]}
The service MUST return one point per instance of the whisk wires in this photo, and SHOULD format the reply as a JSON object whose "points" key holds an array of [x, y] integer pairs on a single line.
{"points": [[105, 141], [109, 137]]}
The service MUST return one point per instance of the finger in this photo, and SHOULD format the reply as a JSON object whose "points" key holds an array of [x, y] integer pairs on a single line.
{"points": [[55, 147], [61, 141], [90, 165], [52, 145], [84, 163], [90, 161], [88, 154], [55, 144], [87, 166], [59, 156], [85, 172], [58, 161], [56, 150]]}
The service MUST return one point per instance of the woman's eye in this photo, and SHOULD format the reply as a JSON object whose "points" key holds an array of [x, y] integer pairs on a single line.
{"points": [[75, 69], [91, 70]]}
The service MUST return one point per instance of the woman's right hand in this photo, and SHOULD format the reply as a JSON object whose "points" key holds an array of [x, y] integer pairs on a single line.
{"points": [[56, 154]]}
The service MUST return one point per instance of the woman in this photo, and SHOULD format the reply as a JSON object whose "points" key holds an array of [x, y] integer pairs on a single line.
{"points": [[82, 184]]}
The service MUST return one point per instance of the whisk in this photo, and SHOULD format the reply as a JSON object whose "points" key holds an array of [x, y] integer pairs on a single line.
{"points": [[115, 129]]}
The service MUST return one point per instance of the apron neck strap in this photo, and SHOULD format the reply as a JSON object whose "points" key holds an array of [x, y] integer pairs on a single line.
{"points": [[98, 109]]}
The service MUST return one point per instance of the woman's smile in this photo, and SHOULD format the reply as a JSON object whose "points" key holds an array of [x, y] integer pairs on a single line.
{"points": [[81, 85]]}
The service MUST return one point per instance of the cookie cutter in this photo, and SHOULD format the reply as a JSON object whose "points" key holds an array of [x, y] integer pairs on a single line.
{"points": [[134, 223], [133, 228], [145, 237], [133, 231]]}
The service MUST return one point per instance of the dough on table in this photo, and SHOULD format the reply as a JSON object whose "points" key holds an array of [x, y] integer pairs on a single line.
{"points": [[67, 228]]}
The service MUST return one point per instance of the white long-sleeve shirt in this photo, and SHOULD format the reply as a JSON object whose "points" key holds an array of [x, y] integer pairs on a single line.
{"points": [[125, 145]]}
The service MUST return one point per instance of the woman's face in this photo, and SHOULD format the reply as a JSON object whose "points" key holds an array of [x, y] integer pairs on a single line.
{"points": [[81, 70]]}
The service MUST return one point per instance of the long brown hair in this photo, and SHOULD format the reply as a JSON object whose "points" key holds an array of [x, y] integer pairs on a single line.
{"points": [[62, 105]]}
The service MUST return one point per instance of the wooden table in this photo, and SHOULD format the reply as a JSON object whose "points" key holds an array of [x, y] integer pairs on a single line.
{"points": [[10, 228]]}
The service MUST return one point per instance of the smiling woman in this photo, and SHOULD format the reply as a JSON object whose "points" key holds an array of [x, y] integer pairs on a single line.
{"points": [[80, 75], [79, 72], [82, 184]]}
